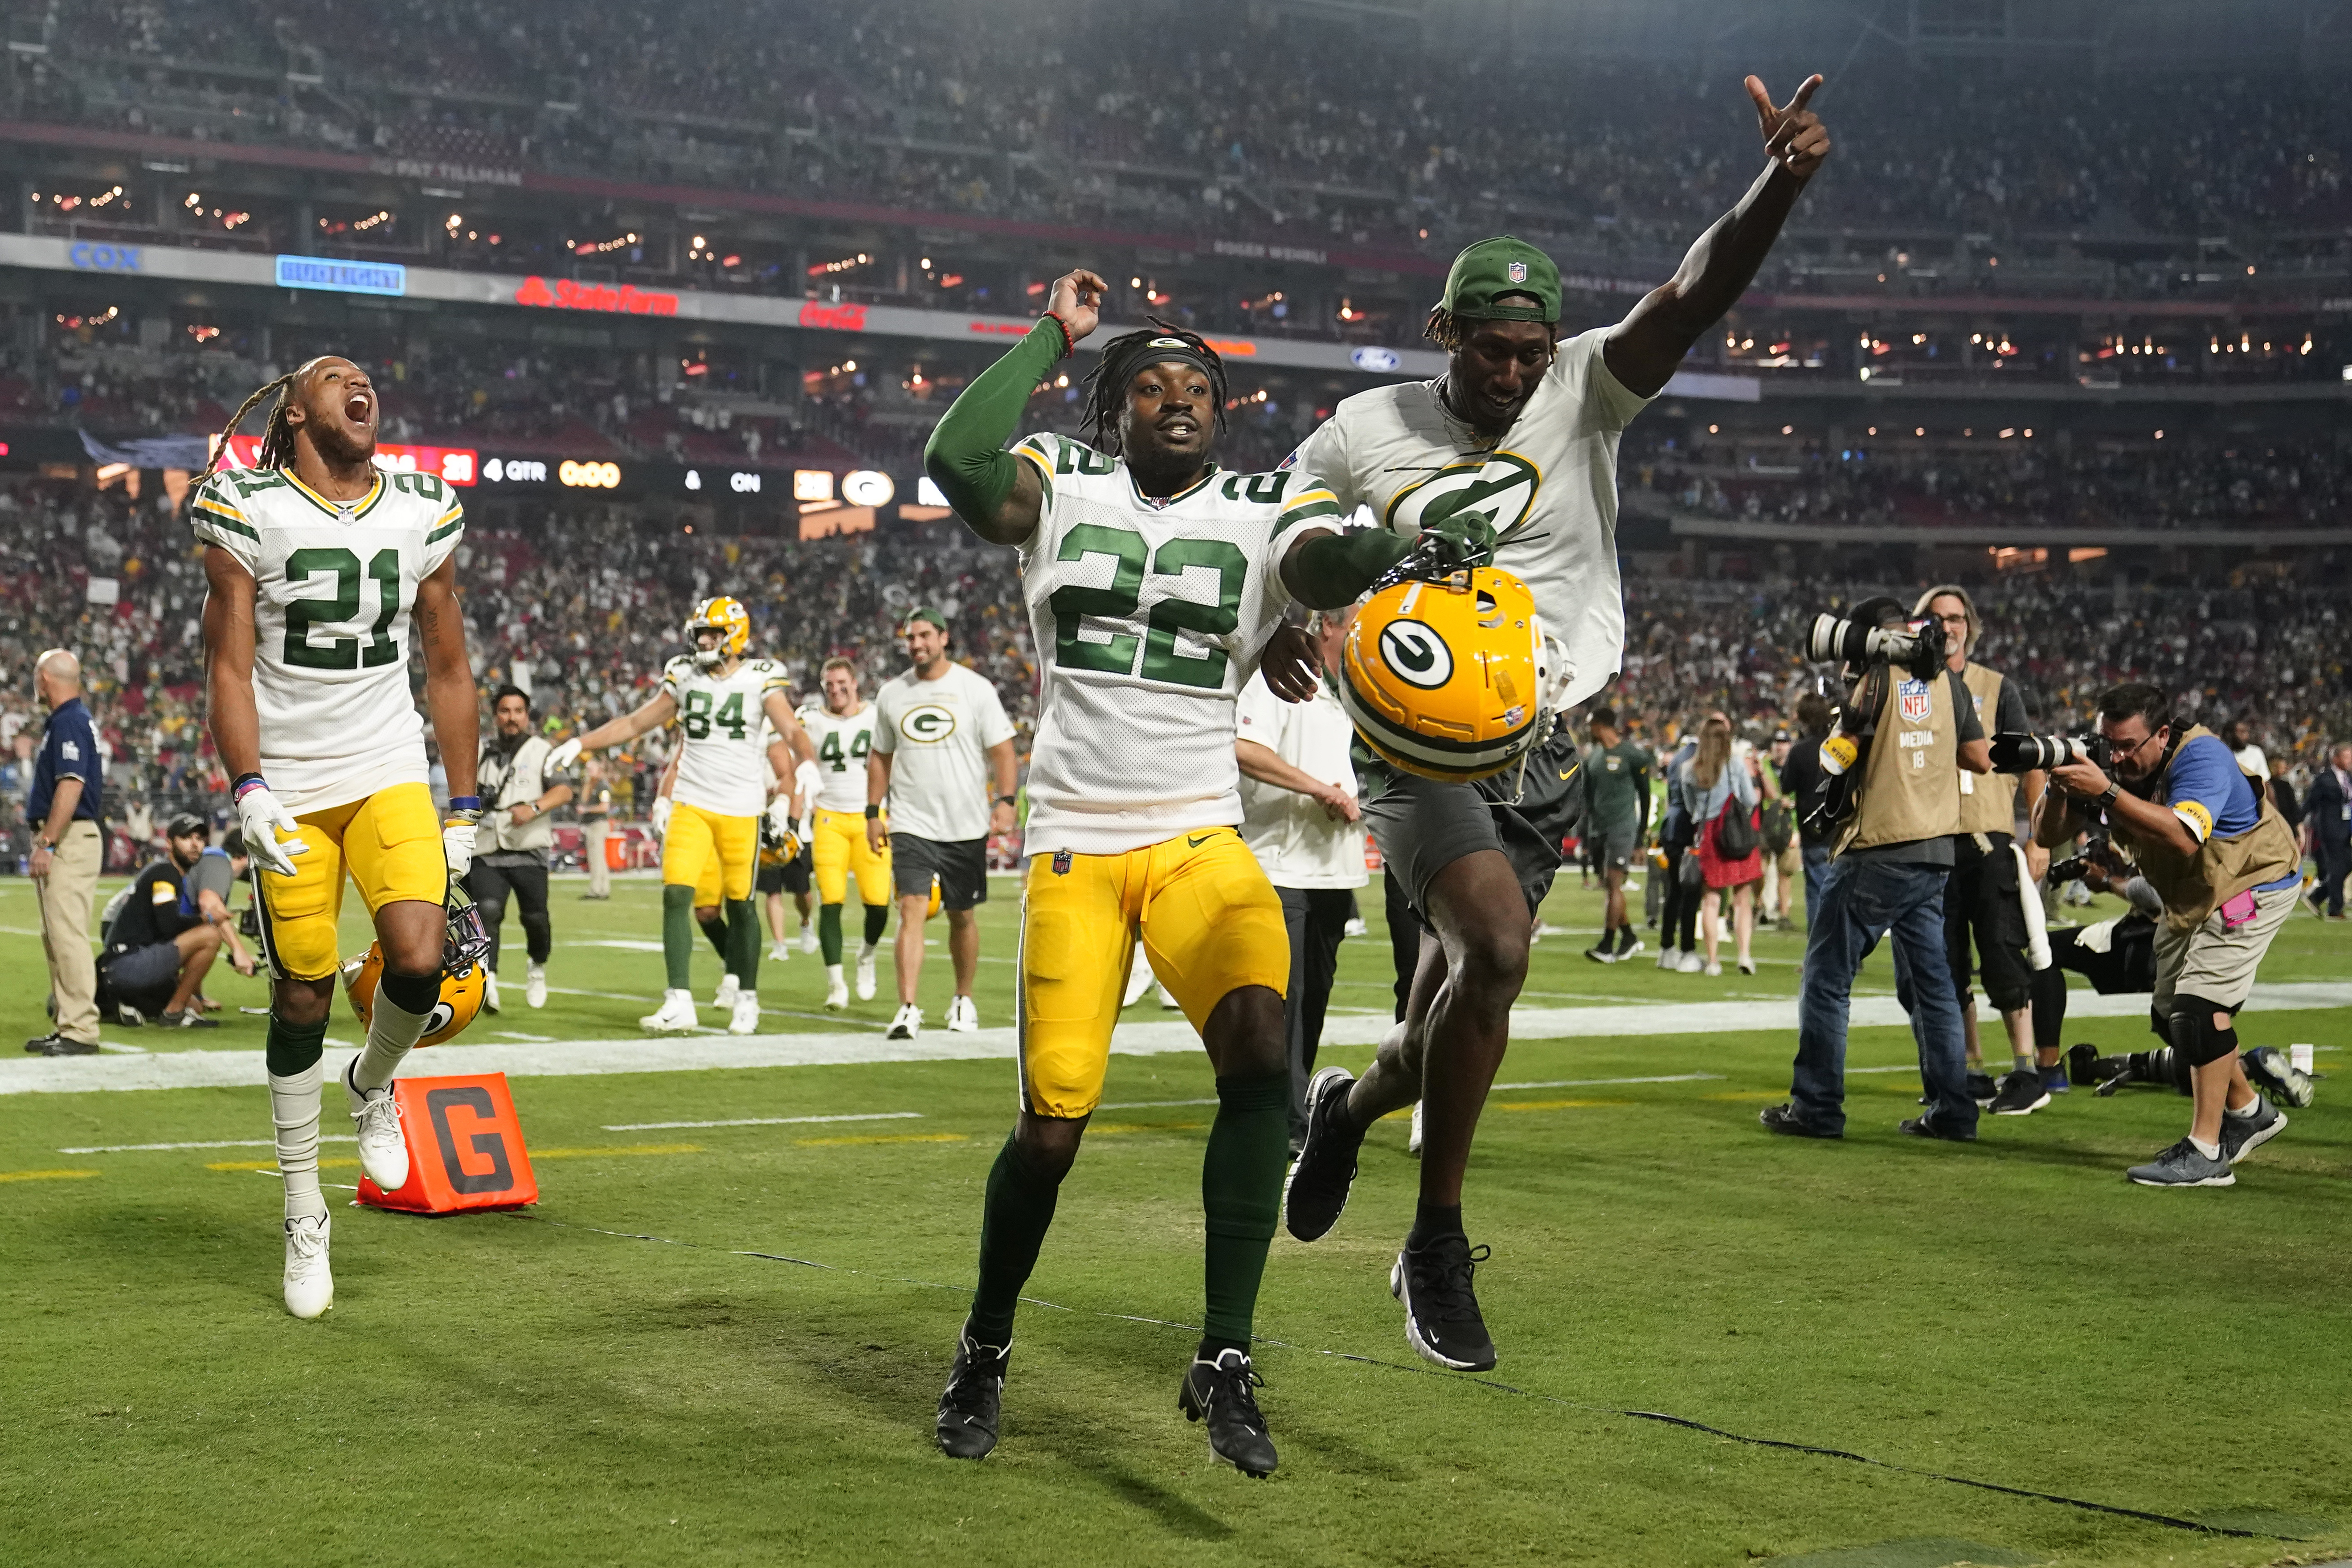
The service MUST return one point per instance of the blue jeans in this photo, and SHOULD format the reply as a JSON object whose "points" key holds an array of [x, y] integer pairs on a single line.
{"points": [[1817, 864], [1862, 901]]}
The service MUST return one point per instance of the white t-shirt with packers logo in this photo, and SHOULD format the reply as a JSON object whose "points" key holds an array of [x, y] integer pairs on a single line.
{"points": [[724, 764], [842, 741], [1398, 451], [334, 587], [937, 734], [1150, 618]]}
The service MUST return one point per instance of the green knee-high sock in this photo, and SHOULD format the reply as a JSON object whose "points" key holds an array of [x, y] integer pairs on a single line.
{"points": [[678, 935], [828, 933], [1013, 1227], [878, 921], [715, 928], [1240, 1193], [743, 941]]}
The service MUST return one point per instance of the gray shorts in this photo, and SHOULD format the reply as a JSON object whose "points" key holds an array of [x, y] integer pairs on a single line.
{"points": [[2217, 964], [1422, 826], [1615, 843], [961, 865], [145, 975]]}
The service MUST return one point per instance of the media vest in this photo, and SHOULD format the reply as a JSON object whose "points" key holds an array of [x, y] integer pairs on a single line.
{"points": [[2194, 886], [507, 783], [1910, 782], [1987, 801]]}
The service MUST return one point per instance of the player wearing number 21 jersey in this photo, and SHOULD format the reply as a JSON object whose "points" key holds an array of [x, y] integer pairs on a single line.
{"points": [[1153, 581], [321, 571], [719, 698]]}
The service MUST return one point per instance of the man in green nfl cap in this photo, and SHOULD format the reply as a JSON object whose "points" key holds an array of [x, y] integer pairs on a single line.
{"points": [[1522, 428]]}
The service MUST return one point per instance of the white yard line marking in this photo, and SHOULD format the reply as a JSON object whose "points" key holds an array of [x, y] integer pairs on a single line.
{"points": [[120, 1049], [527, 1039], [1592, 1082], [626, 943], [751, 1122], [224, 1143]]}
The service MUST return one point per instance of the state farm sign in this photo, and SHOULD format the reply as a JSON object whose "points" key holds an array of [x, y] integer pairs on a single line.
{"points": [[563, 294]]}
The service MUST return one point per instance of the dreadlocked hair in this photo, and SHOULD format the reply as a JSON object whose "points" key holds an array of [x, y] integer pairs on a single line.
{"points": [[1106, 385], [1441, 329], [277, 434]]}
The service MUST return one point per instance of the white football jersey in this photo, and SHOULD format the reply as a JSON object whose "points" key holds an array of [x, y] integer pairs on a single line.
{"points": [[722, 766], [841, 743], [335, 584], [1398, 451], [1150, 617]]}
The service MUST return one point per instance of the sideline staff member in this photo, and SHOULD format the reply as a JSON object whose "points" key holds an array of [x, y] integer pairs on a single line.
{"points": [[517, 839], [1894, 854], [67, 778], [2208, 840]]}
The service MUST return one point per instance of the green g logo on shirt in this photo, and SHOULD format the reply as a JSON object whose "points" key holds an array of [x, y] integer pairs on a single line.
{"points": [[927, 724], [1500, 485]]}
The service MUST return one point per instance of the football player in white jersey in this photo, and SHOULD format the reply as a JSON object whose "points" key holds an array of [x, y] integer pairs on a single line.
{"points": [[1522, 429], [319, 566], [842, 727], [1153, 580], [718, 696]]}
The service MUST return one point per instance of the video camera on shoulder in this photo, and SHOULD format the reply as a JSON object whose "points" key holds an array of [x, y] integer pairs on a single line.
{"points": [[2021, 753], [1877, 631]]}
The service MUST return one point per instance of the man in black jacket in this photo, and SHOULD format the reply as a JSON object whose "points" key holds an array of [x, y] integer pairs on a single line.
{"points": [[2327, 829], [174, 922]]}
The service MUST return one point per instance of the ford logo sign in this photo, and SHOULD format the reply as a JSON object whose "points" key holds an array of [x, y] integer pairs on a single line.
{"points": [[1375, 359]]}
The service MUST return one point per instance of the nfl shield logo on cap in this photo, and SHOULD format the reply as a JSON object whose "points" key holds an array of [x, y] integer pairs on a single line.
{"points": [[1518, 270]]}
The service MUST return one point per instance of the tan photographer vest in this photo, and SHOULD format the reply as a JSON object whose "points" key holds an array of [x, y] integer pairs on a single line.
{"points": [[1987, 801], [2194, 886], [1910, 782]]}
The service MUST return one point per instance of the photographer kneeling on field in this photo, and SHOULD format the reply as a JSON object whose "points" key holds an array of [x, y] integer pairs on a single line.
{"points": [[1891, 776], [164, 930], [2208, 839]]}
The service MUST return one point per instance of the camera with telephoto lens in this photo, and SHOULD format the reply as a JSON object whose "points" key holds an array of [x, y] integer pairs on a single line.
{"points": [[2020, 754], [1860, 638], [2095, 856]]}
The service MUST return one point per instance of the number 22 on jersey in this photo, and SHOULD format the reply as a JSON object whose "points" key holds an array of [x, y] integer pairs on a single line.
{"points": [[1120, 601]]}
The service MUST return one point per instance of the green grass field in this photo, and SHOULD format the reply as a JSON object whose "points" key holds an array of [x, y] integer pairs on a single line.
{"points": [[723, 1345]]}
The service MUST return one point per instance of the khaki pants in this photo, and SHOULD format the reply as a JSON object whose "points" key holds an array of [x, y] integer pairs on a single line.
{"points": [[593, 834], [67, 894]]}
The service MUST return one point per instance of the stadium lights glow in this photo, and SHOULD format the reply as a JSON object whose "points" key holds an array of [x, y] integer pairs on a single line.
{"points": [[194, 200], [927, 264], [602, 246], [843, 265], [1922, 430], [454, 222], [1135, 282], [1873, 429], [1714, 429]]}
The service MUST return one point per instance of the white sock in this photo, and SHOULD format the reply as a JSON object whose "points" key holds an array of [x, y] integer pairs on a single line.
{"points": [[2211, 1151], [2246, 1110], [294, 1109], [833, 975], [391, 1031]]}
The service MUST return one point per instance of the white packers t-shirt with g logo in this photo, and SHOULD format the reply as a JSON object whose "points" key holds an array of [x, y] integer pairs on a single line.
{"points": [[937, 734], [1397, 450]]}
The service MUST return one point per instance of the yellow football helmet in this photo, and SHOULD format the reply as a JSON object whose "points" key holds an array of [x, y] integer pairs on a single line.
{"points": [[459, 1002], [1451, 678], [933, 907], [722, 614]]}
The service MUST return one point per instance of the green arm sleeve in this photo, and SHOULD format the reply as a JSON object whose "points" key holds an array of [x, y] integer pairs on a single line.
{"points": [[1334, 569], [965, 456]]}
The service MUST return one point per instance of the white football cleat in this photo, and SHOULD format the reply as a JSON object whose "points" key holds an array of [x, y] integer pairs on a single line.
{"points": [[906, 1025], [489, 993], [729, 987], [534, 985], [808, 936], [1412, 1139], [383, 1152], [962, 1017], [779, 951], [865, 974], [837, 989], [1138, 981], [676, 1014], [309, 1284], [746, 1020]]}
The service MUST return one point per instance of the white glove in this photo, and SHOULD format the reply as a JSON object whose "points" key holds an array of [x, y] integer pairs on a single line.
{"points": [[457, 846], [564, 755], [659, 815], [261, 819], [780, 819]]}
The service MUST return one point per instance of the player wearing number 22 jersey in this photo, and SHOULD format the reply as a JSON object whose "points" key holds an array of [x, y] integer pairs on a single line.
{"points": [[322, 571], [723, 702], [1153, 581]]}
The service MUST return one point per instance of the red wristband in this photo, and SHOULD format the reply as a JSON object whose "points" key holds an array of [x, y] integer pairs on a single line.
{"points": [[1069, 344]]}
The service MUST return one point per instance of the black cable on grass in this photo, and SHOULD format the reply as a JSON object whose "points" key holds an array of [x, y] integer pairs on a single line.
{"points": [[2146, 1517]]}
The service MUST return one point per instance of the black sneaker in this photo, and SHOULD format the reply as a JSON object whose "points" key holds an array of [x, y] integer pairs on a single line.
{"points": [[1784, 1120], [1317, 1188], [2242, 1135], [1925, 1127], [1441, 1314], [55, 1045], [1982, 1089], [2021, 1093], [1601, 952], [975, 1391], [1222, 1391], [1628, 944]]}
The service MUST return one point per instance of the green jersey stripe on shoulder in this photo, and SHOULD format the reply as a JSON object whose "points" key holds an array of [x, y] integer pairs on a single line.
{"points": [[1304, 513], [211, 519], [445, 530]]}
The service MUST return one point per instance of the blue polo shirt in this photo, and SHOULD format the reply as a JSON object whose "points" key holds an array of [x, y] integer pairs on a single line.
{"points": [[2211, 793], [68, 749]]}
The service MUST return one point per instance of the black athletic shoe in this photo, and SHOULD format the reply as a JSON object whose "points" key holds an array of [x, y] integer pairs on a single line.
{"points": [[2022, 1093], [1925, 1127], [55, 1045], [1317, 1188], [1784, 1120], [2242, 1135], [1222, 1392], [1441, 1314], [1982, 1089], [975, 1391], [1602, 951]]}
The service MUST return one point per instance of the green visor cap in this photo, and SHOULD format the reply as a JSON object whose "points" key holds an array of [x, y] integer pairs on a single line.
{"points": [[1494, 268]]}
